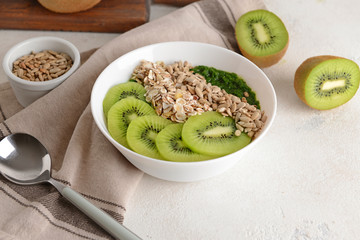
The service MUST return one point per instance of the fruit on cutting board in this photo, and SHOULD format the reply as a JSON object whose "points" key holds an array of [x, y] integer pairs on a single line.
{"points": [[326, 82], [262, 37], [122, 113], [68, 6]]}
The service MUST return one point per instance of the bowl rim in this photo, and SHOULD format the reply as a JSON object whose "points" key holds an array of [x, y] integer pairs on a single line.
{"points": [[166, 162], [76, 61]]}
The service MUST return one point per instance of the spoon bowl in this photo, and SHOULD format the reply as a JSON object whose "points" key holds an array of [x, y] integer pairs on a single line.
{"points": [[35, 169], [25, 161]]}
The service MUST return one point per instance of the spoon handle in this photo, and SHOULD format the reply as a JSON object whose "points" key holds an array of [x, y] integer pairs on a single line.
{"points": [[108, 223]]}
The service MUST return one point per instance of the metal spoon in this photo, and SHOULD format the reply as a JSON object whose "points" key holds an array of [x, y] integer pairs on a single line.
{"points": [[24, 160]]}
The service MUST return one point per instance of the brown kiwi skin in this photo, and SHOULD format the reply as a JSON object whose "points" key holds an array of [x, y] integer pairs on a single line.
{"points": [[68, 6], [265, 61], [303, 72]]}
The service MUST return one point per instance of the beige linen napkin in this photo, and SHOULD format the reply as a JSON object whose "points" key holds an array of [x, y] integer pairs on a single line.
{"points": [[81, 156]]}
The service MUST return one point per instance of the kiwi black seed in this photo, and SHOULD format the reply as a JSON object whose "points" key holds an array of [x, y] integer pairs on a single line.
{"points": [[262, 37], [171, 146], [121, 91], [122, 113], [326, 82], [213, 134], [142, 133]]}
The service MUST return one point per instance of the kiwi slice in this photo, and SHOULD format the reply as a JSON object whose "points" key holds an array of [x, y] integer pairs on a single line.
{"points": [[142, 133], [262, 37], [122, 113], [171, 146], [121, 91], [213, 134], [326, 82]]}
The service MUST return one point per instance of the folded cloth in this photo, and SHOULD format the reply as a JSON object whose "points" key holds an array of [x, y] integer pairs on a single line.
{"points": [[81, 156]]}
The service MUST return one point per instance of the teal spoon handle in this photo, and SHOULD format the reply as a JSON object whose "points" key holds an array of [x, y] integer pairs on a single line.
{"points": [[103, 219]]}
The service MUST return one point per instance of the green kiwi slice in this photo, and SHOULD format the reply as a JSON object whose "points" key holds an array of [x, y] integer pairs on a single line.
{"points": [[262, 37], [171, 146], [213, 134], [326, 82], [142, 133], [122, 113], [121, 91]]}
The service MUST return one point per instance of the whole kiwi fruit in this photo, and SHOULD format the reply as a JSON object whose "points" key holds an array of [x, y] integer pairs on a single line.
{"points": [[325, 82], [68, 6]]}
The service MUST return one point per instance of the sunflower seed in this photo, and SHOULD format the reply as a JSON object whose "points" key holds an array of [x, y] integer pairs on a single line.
{"points": [[38, 66], [189, 94]]}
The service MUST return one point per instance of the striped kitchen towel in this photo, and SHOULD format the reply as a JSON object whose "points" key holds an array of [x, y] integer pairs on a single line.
{"points": [[81, 156]]}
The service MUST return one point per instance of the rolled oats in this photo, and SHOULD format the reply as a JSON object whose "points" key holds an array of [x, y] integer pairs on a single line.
{"points": [[177, 93]]}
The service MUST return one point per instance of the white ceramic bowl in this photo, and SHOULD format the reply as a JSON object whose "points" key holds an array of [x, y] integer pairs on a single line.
{"points": [[26, 91], [197, 54]]}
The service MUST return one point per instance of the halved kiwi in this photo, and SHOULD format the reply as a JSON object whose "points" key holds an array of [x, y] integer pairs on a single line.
{"points": [[121, 91], [171, 146], [122, 113], [326, 82], [142, 132], [262, 37], [213, 134]]}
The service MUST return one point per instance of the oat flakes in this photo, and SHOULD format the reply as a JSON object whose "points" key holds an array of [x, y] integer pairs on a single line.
{"points": [[177, 93]]}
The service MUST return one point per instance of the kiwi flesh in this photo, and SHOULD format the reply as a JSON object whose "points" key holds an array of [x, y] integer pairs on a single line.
{"points": [[142, 132], [122, 113], [325, 82], [213, 134], [171, 146], [121, 91], [262, 37]]}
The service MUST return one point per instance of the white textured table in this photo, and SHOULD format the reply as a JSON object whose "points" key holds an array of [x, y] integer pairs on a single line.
{"points": [[300, 183]]}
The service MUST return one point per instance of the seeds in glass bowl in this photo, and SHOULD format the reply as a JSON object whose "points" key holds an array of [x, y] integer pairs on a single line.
{"points": [[42, 66]]}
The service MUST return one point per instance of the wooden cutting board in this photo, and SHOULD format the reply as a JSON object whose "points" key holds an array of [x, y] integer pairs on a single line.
{"points": [[108, 16], [179, 3]]}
